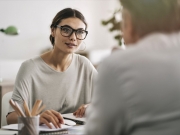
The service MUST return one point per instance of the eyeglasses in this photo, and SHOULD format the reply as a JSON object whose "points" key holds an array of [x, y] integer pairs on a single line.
{"points": [[67, 31]]}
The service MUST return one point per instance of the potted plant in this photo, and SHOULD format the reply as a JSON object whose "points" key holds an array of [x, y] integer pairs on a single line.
{"points": [[116, 26]]}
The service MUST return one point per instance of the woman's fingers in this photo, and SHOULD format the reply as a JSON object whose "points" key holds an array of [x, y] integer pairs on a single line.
{"points": [[44, 121], [58, 116], [49, 118], [77, 113], [74, 113], [53, 117], [80, 112]]}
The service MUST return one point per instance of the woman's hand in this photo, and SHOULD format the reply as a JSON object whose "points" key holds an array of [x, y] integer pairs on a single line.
{"points": [[80, 112], [51, 116]]}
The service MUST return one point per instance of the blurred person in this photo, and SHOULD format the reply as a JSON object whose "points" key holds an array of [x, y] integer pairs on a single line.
{"points": [[137, 91], [60, 78]]}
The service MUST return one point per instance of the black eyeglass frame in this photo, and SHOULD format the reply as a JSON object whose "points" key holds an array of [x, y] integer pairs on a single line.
{"points": [[73, 30]]}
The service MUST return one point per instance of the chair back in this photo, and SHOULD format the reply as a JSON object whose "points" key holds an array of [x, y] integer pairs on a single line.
{"points": [[5, 107]]}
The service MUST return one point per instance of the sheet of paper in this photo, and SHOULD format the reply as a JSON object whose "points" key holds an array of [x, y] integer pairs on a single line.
{"points": [[41, 127]]}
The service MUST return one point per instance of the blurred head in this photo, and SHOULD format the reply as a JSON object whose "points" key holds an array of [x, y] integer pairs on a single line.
{"points": [[67, 28], [142, 17]]}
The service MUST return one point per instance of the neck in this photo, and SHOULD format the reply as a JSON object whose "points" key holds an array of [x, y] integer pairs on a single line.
{"points": [[58, 61]]}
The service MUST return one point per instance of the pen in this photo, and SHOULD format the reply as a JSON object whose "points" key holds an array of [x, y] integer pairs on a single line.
{"points": [[36, 107], [19, 109], [26, 108], [14, 107]]}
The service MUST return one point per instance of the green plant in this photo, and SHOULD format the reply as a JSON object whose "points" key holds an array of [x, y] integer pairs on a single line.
{"points": [[116, 26]]}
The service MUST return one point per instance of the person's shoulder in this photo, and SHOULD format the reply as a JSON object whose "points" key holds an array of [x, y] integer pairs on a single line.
{"points": [[84, 61], [120, 55], [27, 69], [81, 57], [30, 63], [120, 59]]}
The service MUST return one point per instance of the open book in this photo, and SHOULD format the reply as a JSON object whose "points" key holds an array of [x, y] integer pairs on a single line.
{"points": [[70, 116]]}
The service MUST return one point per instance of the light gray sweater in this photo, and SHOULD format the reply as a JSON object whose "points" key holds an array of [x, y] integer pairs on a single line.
{"points": [[138, 90], [64, 91]]}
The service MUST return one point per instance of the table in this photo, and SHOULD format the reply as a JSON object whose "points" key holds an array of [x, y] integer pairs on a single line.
{"points": [[8, 132]]}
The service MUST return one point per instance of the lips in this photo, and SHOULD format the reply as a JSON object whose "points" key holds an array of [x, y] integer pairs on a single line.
{"points": [[70, 44]]}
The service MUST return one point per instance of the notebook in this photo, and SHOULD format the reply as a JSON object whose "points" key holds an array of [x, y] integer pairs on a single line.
{"points": [[79, 130], [43, 127], [70, 116]]}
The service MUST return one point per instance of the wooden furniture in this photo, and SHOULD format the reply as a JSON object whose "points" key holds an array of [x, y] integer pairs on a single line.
{"points": [[5, 87]]}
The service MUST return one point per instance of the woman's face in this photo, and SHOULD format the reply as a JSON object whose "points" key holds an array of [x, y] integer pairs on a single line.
{"points": [[67, 44]]}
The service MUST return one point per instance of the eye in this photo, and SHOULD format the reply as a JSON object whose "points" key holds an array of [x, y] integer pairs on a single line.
{"points": [[80, 32], [66, 30]]}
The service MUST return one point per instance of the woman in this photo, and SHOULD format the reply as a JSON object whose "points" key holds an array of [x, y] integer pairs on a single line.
{"points": [[62, 79]]}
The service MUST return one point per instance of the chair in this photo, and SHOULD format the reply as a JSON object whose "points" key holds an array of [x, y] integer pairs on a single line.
{"points": [[5, 107]]}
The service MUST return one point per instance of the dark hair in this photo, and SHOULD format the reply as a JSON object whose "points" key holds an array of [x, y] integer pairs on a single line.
{"points": [[63, 14], [153, 15]]}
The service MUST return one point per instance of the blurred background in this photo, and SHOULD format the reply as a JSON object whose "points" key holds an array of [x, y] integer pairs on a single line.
{"points": [[33, 19]]}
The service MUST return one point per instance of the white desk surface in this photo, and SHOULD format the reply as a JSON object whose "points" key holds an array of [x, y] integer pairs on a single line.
{"points": [[8, 132]]}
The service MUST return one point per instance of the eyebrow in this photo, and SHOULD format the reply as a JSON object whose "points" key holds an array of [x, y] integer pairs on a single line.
{"points": [[72, 28]]}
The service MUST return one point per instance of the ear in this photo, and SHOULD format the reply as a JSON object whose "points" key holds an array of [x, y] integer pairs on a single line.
{"points": [[129, 31], [133, 31], [130, 26], [53, 31]]}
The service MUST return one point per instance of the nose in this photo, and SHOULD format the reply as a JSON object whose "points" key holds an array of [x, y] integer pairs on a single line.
{"points": [[73, 36]]}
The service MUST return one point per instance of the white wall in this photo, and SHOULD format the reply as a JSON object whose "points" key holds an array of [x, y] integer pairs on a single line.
{"points": [[33, 18]]}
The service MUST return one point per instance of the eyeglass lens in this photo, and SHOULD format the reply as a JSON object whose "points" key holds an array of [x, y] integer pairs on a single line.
{"points": [[66, 31]]}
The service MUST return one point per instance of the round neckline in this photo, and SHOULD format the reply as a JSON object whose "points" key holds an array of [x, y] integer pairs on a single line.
{"points": [[56, 70]]}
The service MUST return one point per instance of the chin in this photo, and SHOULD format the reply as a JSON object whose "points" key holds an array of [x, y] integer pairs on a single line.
{"points": [[71, 50]]}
